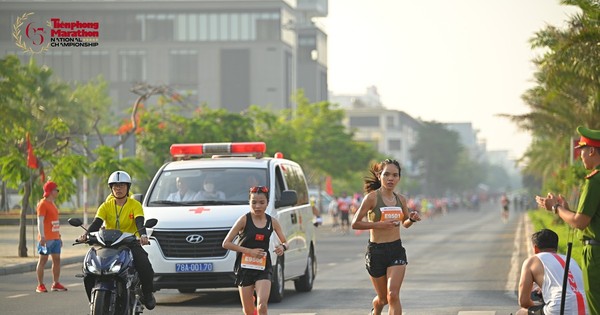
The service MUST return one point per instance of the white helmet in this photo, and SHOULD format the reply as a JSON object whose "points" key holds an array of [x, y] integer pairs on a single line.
{"points": [[119, 177]]}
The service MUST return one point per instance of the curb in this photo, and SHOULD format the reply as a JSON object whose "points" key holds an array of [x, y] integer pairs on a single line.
{"points": [[31, 266]]}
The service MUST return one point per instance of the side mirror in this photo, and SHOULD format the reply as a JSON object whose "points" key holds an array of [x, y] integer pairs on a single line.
{"points": [[288, 198], [75, 222], [138, 197], [150, 223]]}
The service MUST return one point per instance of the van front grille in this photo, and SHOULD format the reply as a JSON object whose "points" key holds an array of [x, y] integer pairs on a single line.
{"points": [[191, 244]]}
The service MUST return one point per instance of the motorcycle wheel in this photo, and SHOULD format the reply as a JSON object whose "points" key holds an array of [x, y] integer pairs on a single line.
{"points": [[100, 303]]}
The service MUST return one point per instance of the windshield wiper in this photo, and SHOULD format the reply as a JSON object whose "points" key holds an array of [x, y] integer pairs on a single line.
{"points": [[166, 202]]}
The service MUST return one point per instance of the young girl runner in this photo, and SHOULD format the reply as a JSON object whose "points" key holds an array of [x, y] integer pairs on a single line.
{"points": [[253, 270], [385, 212]]}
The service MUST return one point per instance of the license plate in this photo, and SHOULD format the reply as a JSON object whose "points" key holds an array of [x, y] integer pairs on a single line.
{"points": [[193, 267]]}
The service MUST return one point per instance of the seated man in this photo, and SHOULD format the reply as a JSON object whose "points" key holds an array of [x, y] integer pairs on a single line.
{"points": [[209, 192], [183, 192], [546, 269]]}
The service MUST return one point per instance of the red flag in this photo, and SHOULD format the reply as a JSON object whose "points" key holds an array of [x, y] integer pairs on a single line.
{"points": [[31, 159], [328, 186]]}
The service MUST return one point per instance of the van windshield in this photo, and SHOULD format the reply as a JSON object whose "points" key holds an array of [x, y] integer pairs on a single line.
{"points": [[214, 186]]}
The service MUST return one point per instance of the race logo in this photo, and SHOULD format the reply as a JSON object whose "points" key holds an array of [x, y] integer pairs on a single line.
{"points": [[33, 37]]}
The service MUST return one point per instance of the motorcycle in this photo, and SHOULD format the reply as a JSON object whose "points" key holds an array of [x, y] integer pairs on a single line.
{"points": [[108, 266]]}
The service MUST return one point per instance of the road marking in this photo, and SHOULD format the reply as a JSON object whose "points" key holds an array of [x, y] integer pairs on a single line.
{"points": [[16, 296], [74, 285], [298, 314], [477, 313], [511, 282]]}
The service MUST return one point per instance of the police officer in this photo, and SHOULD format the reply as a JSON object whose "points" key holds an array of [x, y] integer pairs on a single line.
{"points": [[587, 216]]}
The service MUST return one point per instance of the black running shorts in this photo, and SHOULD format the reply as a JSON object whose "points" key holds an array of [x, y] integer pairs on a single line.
{"points": [[380, 256]]}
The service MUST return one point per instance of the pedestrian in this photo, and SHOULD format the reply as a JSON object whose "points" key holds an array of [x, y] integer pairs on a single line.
{"points": [[50, 243], [119, 212], [505, 202], [253, 269], [344, 203], [543, 274], [587, 216], [333, 211], [385, 211]]}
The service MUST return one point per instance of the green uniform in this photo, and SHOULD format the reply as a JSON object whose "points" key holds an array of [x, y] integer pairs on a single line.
{"points": [[589, 204]]}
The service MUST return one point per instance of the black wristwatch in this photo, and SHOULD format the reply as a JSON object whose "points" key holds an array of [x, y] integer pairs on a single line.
{"points": [[555, 207]]}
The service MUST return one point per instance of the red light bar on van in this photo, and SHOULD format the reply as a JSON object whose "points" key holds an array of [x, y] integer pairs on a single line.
{"points": [[196, 149]]}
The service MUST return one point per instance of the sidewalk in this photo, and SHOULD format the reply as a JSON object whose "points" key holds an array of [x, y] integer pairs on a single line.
{"points": [[10, 263]]}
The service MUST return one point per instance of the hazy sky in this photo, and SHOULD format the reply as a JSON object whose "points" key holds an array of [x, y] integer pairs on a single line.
{"points": [[442, 60]]}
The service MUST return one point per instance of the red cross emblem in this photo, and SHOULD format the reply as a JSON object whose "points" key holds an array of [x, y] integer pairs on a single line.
{"points": [[199, 210]]}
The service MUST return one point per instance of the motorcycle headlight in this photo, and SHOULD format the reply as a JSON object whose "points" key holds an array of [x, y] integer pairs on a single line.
{"points": [[91, 267], [114, 268]]}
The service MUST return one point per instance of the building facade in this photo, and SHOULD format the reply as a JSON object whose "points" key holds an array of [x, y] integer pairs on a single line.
{"points": [[227, 54], [390, 132]]}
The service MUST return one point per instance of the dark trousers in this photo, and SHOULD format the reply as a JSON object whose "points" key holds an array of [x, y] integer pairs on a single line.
{"points": [[142, 266]]}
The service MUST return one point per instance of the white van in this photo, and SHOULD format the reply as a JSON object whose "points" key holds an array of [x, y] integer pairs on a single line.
{"points": [[185, 249]]}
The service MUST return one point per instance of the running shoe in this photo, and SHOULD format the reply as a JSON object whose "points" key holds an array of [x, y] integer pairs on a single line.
{"points": [[41, 288], [58, 287]]}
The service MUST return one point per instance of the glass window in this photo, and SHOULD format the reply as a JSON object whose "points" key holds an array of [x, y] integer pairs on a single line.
{"points": [[367, 121], [94, 63], [235, 26], [159, 27], [61, 63], [394, 145], [132, 66], [245, 26], [183, 66], [213, 27], [295, 181], [181, 28], [193, 27], [223, 27], [203, 27], [231, 184]]}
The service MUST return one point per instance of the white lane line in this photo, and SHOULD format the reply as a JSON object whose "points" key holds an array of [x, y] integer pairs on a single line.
{"points": [[74, 284], [515, 264], [477, 313], [16, 296], [298, 314]]}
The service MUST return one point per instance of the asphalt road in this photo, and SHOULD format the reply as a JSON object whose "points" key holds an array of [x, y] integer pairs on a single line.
{"points": [[462, 263]]}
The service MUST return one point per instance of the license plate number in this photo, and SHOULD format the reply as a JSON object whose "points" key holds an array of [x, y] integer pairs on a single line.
{"points": [[194, 267]]}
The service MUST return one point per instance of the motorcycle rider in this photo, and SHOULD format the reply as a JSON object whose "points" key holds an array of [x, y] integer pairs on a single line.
{"points": [[127, 215]]}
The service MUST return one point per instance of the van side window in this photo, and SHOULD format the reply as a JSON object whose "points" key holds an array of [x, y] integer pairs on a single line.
{"points": [[295, 181], [279, 185]]}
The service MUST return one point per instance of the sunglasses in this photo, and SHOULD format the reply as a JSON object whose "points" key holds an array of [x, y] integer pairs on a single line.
{"points": [[387, 161], [263, 189]]}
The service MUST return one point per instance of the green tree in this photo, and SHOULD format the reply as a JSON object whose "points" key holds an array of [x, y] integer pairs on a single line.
{"points": [[44, 108], [567, 90], [441, 158]]}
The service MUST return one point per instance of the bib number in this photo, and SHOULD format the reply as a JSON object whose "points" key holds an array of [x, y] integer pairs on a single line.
{"points": [[391, 214], [250, 262]]}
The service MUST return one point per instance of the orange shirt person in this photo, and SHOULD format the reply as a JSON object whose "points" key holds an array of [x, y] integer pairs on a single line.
{"points": [[50, 242]]}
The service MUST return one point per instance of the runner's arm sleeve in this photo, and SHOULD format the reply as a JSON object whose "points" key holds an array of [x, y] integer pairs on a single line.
{"points": [[40, 225]]}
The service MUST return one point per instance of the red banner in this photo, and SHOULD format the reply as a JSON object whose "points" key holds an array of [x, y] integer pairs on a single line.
{"points": [[328, 186], [31, 159]]}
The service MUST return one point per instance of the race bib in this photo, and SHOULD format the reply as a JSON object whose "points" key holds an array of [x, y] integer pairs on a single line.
{"points": [[55, 226], [391, 214], [250, 262]]}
